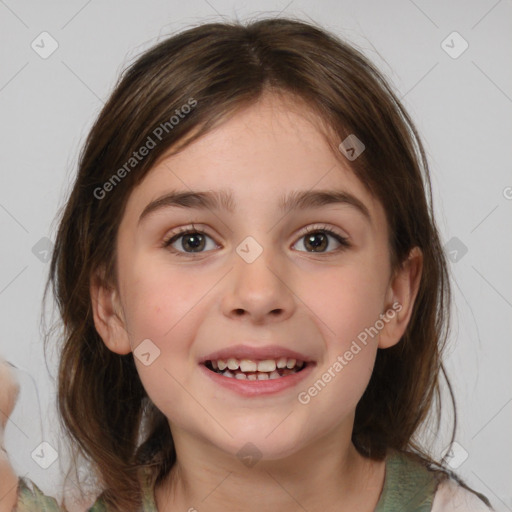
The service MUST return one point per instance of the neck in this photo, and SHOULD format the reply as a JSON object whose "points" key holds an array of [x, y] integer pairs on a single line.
{"points": [[328, 475]]}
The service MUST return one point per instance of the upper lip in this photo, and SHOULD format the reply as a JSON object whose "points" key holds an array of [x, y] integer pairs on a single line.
{"points": [[255, 353]]}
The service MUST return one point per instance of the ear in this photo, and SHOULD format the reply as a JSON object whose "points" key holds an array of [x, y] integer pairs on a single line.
{"points": [[400, 298], [108, 314]]}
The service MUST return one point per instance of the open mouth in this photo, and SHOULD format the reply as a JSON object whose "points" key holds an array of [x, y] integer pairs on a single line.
{"points": [[248, 369]]}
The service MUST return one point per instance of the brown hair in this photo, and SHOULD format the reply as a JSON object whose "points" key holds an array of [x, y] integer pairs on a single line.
{"points": [[224, 67]]}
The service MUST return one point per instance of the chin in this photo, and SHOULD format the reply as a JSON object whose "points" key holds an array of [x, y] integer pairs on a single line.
{"points": [[265, 442]]}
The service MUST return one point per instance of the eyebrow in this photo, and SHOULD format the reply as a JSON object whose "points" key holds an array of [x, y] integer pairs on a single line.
{"points": [[224, 200]]}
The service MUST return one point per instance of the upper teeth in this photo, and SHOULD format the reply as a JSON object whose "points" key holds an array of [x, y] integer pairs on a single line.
{"points": [[249, 365]]}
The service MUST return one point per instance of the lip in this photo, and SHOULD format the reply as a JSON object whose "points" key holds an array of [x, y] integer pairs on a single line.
{"points": [[254, 388], [255, 353]]}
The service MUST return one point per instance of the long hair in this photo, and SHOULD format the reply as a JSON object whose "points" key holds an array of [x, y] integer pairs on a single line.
{"points": [[216, 69]]}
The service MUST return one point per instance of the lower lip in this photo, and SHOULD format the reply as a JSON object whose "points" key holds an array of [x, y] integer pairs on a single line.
{"points": [[259, 387]]}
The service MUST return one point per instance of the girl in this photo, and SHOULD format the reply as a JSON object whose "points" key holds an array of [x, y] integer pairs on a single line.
{"points": [[253, 290]]}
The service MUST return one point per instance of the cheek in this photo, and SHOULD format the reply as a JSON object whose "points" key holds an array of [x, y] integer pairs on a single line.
{"points": [[346, 300], [157, 299], [163, 305], [334, 393]]}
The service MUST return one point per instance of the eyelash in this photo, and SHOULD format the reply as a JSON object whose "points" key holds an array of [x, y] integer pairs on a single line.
{"points": [[190, 230]]}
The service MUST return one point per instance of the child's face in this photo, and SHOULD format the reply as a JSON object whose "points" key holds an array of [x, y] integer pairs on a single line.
{"points": [[193, 304]]}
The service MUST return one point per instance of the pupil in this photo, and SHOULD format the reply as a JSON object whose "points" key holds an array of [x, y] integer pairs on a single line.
{"points": [[318, 245], [195, 242]]}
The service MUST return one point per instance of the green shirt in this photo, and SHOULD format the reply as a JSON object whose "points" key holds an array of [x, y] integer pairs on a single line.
{"points": [[408, 486]]}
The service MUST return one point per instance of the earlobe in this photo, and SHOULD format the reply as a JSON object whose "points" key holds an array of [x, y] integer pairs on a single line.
{"points": [[402, 293], [108, 315]]}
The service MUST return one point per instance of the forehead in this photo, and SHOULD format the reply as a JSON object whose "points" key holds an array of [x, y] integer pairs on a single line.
{"points": [[274, 146]]}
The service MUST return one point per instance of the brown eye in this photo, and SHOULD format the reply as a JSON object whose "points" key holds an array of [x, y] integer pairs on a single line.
{"points": [[319, 240], [190, 242], [194, 241]]}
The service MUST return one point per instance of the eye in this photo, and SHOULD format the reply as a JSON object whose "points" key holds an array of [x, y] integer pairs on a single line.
{"points": [[318, 240], [188, 241]]}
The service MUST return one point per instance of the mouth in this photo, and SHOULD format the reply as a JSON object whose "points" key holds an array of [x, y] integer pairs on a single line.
{"points": [[253, 378], [256, 370], [252, 371]]}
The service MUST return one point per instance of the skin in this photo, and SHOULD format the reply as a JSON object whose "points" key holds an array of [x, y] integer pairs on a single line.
{"points": [[312, 302], [9, 390]]}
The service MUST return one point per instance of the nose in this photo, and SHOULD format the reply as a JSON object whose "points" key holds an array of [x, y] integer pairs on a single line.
{"points": [[261, 291]]}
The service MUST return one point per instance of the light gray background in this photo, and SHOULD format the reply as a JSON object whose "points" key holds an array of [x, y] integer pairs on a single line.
{"points": [[462, 107]]}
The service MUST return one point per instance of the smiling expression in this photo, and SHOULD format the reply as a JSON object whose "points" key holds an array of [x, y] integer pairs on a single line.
{"points": [[254, 235]]}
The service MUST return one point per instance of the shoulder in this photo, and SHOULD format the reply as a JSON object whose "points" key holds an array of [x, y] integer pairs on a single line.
{"points": [[451, 496], [31, 498], [411, 483], [408, 484], [147, 477]]}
